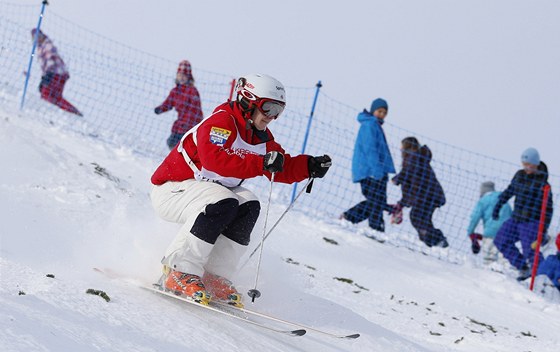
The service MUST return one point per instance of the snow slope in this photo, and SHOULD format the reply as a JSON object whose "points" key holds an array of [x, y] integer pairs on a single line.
{"points": [[70, 203]]}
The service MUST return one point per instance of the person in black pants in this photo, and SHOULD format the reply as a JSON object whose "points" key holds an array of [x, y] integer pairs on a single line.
{"points": [[421, 191], [371, 164]]}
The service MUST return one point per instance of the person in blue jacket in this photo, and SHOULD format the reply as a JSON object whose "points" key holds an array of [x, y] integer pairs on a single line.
{"points": [[371, 164], [483, 211], [527, 188], [551, 266], [421, 191]]}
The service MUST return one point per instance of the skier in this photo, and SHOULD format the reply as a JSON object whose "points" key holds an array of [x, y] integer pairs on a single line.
{"points": [[199, 186], [186, 101], [483, 211], [54, 73], [371, 164], [527, 188], [420, 190]]}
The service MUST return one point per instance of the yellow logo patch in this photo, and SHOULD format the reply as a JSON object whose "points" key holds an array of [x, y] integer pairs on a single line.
{"points": [[219, 135]]}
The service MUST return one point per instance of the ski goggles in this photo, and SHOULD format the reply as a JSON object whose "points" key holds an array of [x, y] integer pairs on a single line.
{"points": [[270, 108]]}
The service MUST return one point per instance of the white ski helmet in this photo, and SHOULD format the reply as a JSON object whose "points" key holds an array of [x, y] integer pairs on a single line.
{"points": [[261, 91]]}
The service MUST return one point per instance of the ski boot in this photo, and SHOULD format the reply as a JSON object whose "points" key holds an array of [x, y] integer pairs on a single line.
{"points": [[183, 284], [222, 290]]}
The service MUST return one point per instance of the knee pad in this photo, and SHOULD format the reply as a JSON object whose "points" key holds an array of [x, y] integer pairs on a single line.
{"points": [[240, 228], [215, 218]]}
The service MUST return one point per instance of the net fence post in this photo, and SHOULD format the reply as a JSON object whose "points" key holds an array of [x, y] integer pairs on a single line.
{"points": [[35, 40], [318, 86]]}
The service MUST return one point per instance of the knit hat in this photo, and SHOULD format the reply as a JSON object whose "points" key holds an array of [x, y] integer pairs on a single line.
{"points": [[34, 30], [486, 187], [531, 156], [185, 68], [378, 103]]}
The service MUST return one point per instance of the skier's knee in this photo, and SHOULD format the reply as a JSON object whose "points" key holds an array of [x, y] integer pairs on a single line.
{"points": [[239, 230], [214, 219]]}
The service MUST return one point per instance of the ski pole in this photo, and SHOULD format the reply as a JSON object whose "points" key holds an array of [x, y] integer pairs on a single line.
{"points": [[307, 187], [35, 40], [254, 293]]}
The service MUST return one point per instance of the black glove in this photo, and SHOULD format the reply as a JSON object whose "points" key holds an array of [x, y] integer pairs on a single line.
{"points": [[318, 165], [273, 162], [475, 245], [158, 110]]}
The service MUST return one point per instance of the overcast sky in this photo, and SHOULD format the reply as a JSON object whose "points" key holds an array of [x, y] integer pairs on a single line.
{"points": [[480, 74]]}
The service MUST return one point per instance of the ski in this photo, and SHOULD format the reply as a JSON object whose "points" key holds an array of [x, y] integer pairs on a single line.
{"points": [[287, 322], [232, 310], [216, 308]]}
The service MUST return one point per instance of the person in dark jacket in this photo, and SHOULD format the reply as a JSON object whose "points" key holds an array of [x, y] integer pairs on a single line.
{"points": [[421, 191], [371, 164], [186, 100], [527, 188]]}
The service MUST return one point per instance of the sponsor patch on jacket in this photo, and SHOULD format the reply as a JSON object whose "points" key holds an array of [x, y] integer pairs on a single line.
{"points": [[219, 136]]}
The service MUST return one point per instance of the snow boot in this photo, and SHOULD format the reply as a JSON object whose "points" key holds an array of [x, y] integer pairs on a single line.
{"points": [[187, 285], [524, 273], [221, 289]]}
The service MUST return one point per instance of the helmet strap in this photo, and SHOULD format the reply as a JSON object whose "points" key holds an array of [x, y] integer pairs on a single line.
{"points": [[247, 110]]}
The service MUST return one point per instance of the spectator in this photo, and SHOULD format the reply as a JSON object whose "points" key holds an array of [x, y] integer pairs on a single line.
{"points": [[198, 185], [483, 211], [551, 266], [371, 164], [421, 191], [54, 73], [186, 101], [527, 188]]}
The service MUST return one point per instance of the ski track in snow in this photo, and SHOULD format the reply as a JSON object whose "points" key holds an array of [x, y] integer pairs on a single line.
{"points": [[71, 203]]}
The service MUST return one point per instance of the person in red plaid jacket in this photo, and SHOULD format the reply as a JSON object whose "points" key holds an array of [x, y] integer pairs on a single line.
{"points": [[186, 100], [55, 74]]}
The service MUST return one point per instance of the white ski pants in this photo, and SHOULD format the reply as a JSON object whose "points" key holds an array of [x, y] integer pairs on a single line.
{"points": [[191, 203]]}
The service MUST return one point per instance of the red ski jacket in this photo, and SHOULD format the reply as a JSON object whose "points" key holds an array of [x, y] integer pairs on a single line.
{"points": [[221, 158], [186, 100]]}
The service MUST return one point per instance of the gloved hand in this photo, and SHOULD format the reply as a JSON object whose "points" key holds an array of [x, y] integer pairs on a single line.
{"points": [[158, 110], [318, 165], [397, 214], [273, 162], [544, 242], [475, 237]]}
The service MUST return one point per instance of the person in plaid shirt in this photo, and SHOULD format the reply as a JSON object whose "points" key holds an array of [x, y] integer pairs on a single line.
{"points": [[55, 74], [186, 100]]}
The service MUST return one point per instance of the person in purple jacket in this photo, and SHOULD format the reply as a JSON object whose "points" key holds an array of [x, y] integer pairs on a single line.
{"points": [[421, 191]]}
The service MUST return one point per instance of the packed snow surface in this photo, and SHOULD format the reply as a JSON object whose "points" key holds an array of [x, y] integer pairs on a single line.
{"points": [[71, 203]]}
